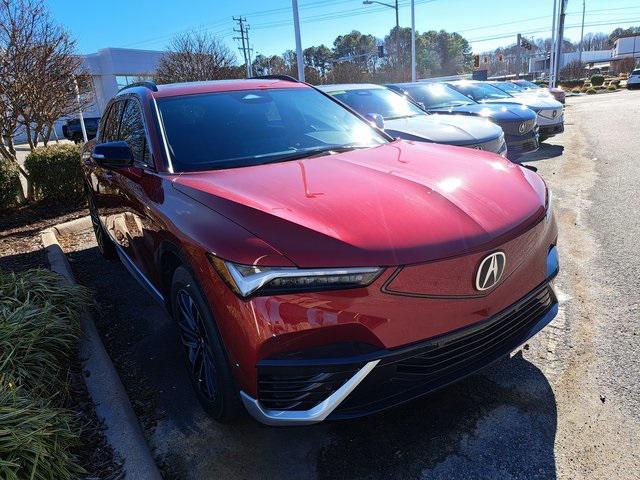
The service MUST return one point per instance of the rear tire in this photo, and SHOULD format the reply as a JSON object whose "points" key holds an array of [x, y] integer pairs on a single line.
{"points": [[205, 356], [105, 244]]}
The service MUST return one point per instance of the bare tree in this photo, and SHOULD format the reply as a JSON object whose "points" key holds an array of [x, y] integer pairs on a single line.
{"points": [[194, 57], [38, 70]]}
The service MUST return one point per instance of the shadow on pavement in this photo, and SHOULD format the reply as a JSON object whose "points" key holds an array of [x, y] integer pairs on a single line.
{"points": [[545, 152], [499, 424]]}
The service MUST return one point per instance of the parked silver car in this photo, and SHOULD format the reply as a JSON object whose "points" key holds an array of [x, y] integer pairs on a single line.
{"points": [[401, 118]]}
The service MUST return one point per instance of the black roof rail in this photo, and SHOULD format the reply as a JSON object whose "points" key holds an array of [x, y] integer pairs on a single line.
{"points": [[288, 78], [146, 83]]}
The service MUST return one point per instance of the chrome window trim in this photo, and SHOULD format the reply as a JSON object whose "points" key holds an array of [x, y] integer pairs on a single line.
{"points": [[306, 417], [163, 134]]}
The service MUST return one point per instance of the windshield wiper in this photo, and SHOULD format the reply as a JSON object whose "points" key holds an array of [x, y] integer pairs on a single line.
{"points": [[315, 152]]}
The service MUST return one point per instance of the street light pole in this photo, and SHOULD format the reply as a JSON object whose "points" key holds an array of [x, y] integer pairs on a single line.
{"points": [[371, 2], [296, 24], [581, 33], [413, 42], [81, 116]]}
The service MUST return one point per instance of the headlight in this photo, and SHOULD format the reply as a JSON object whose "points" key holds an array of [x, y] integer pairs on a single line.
{"points": [[248, 280]]}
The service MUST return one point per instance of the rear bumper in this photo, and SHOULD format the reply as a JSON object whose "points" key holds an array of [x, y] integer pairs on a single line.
{"points": [[306, 391]]}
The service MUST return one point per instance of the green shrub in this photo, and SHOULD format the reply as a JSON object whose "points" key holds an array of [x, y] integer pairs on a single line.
{"points": [[9, 185], [575, 82], [39, 327], [56, 173], [576, 90], [591, 91], [35, 439], [611, 87], [597, 80]]}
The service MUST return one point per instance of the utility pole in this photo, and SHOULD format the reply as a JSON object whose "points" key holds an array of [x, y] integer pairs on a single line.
{"points": [[414, 77], [581, 33], [559, 40], [296, 26], [244, 38], [552, 62], [518, 55]]}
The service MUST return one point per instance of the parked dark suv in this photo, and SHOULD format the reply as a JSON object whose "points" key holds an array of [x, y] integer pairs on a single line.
{"points": [[315, 266], [72, 130]]}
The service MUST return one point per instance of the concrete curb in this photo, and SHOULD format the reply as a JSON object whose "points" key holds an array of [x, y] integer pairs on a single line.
{"points": [[112, 404]]}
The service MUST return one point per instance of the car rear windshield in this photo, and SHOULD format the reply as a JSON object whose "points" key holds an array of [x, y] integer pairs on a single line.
{"points": [[480, 91], [635, 72], [437, 96], [381, 101], [508, 87], [249, 127]]}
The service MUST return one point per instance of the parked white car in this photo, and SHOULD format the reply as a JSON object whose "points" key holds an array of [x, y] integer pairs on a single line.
{"points": [[634, 79]]}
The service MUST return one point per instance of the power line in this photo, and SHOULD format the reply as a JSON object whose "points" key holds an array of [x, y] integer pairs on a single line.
{"points": [[575, 25]]}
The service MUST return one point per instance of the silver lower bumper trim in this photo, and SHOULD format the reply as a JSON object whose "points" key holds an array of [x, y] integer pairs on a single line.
{"points": [[306, 417]]}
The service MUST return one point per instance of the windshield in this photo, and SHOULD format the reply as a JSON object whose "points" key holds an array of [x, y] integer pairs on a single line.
{"points": [[508, 87], [250, 127], [437, 96], [527, 84], [382, 101], [480, 91]]}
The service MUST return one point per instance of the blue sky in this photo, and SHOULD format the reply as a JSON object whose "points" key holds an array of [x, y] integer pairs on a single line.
{"points": [[150, 24]]}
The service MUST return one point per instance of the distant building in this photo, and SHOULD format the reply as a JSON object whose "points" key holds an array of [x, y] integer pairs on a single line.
{"points": [[539, 64], [114, 68], [626, 46]]}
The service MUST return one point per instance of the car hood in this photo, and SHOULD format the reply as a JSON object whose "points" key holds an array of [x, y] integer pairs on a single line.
{"points": [[534, 102], [443, 129], [500, 113], [399, 203]]}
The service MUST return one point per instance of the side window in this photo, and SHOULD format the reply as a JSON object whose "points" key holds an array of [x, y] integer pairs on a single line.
{"points": [[132, 132], [110, 131]]}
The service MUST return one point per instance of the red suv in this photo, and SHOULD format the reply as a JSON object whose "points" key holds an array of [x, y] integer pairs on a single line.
{"points": [[317, 268]]}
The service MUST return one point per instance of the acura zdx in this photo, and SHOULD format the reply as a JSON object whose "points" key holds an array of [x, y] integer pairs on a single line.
{"points": [[316, 267]]}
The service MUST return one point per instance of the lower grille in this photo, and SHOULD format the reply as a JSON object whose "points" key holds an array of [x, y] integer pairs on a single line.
{"points": [[404, 373], [446, 359], [291, 389]]}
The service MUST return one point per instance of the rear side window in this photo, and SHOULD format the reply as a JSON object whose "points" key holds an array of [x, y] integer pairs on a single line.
{"points": [[132, 132], [110, 130]]}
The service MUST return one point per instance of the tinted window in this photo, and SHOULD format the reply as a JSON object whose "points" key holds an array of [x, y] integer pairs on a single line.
{"points": [[438, 96], [132, 131], [110, 131], [382, 101], [508, 87], [249, 127], [635, 72], [480, 91]]}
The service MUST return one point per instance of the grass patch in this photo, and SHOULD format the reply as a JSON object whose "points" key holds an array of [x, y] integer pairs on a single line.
{"points": [[39, 329]]}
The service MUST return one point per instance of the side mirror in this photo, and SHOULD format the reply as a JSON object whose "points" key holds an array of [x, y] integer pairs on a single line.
{"points": [[376, 119], [113, 155]]}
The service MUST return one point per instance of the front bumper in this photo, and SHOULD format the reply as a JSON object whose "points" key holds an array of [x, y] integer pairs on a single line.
{"points": [[307, 391], [520, 144], [551, 130]]}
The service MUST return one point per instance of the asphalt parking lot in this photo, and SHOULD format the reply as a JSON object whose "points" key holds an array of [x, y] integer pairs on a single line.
{"points": [[566, 406]]}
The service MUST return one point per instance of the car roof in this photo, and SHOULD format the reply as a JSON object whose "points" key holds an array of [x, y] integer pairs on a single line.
{"points": [[349, 86], [214, 86]]}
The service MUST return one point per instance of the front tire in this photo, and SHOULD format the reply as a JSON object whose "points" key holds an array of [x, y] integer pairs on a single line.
{"points": [[205, 355]]}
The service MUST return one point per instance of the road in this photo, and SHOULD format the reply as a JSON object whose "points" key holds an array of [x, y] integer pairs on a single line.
{"points": [[565, 406]]}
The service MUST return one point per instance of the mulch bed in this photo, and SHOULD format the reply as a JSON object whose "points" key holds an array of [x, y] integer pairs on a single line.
{"points": [[21, 249]]}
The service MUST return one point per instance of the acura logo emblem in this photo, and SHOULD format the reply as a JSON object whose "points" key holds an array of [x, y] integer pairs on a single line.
{"points": [[522, 127], [490, 271], [554, 114]]}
